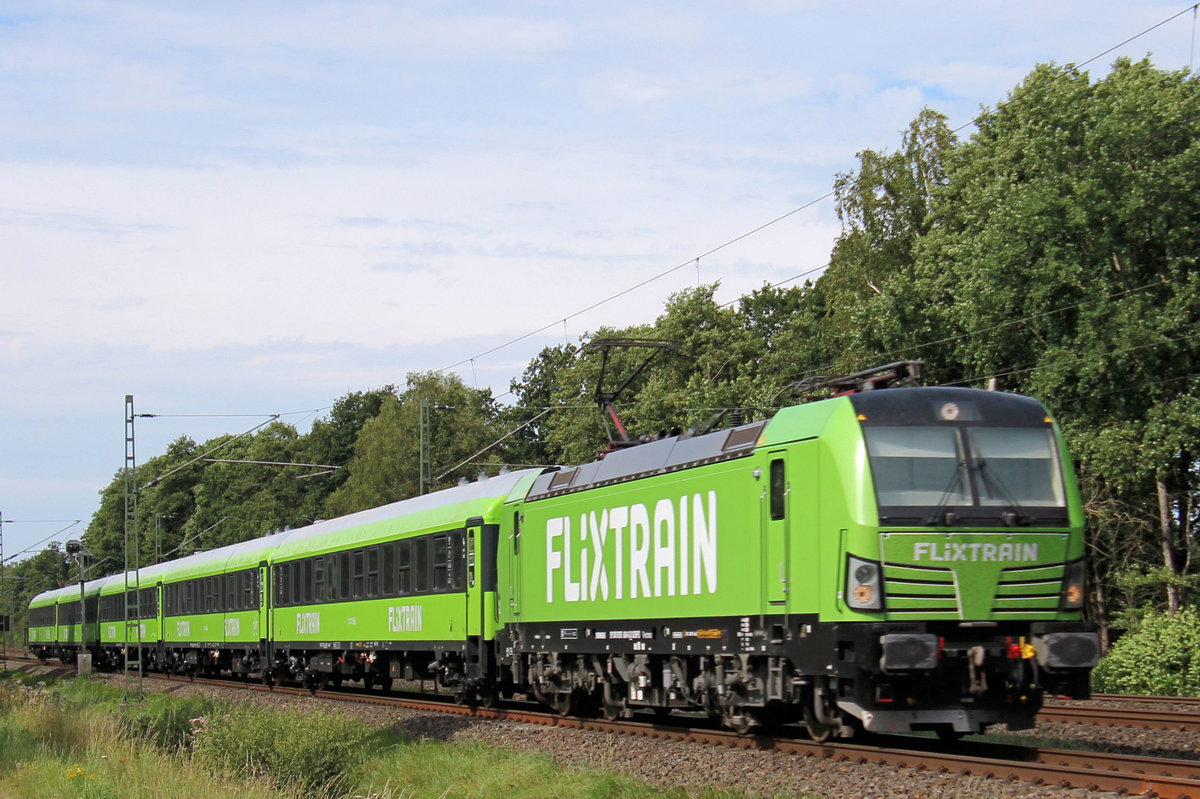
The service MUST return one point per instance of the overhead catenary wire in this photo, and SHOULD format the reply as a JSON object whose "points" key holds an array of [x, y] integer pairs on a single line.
{"points": [[510, 433], [635, 287], [205, 454], [69, 522]]}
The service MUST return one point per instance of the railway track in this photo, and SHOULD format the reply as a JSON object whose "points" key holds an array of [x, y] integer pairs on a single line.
{"points": [[1095, 771], [1181, 720]]}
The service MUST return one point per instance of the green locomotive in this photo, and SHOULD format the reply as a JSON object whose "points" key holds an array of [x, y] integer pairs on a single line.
{"points": [[893, 560]]}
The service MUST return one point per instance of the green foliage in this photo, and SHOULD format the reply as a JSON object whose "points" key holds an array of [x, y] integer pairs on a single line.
{"points": [[386, 463], [167, 723], [290, 747], [1161, 658]]}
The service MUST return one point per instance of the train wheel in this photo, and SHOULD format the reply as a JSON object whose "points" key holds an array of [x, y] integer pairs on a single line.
{"points": [[818, 731], [385, 684], [489, 695], [564, 703], [821, 716]]}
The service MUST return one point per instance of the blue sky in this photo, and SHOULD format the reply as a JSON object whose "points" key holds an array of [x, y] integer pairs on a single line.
{"points": [[255, 207]]}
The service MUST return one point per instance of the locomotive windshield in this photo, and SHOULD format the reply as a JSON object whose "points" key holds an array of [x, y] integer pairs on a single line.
{"points": [[927, 471]]}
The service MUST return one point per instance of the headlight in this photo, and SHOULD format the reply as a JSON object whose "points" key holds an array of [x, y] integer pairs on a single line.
{"points": [[863, 588], [1074, 579]]}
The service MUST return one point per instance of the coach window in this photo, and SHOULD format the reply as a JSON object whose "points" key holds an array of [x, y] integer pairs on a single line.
{"points": [[319, 588], [307, 582], [296, 573], [332, 579], [373, 572], [421, 565], [441, 562], [470, 557], [360, 574], [778, 489], [345, 585], [388, 567], [403, 568]]}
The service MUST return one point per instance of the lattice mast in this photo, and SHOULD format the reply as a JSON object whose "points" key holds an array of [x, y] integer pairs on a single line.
{"points": [[133, 594]]}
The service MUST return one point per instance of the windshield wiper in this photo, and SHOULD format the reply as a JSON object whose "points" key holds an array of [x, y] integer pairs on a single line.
{"points": [[1015, 514], [940, 515]]}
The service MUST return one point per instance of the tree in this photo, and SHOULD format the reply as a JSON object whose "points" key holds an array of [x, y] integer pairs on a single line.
{"points": [[386, 463], [1059, 258], [331, 442]]}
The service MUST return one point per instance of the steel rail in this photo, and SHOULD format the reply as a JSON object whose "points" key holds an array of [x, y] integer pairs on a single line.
{"points": [[1181, 720]]}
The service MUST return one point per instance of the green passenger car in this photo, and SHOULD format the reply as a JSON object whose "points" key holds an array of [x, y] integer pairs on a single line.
{"points": [[42, 627], [407, 590], [61, 630]]}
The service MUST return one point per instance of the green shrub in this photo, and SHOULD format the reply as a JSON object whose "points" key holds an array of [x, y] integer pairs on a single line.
{"points": [[1161, 657], [293, 748], [165, 722]]}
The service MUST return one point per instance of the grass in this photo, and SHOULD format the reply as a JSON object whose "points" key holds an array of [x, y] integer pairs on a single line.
{"points": [[75, 740]]}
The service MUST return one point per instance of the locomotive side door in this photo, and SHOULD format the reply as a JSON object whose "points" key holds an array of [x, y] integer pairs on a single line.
{"points": [[775, 527]]}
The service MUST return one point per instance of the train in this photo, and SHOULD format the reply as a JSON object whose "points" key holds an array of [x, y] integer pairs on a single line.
{"points": [[892, 559]]}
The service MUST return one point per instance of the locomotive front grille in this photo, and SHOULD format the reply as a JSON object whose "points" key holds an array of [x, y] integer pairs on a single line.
{"points": [[1029, 592], [973, 575], [928, 592], [935, 593]]}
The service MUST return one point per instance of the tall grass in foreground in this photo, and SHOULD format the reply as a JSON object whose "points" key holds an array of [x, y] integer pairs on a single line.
{"points": [[77, 740]]}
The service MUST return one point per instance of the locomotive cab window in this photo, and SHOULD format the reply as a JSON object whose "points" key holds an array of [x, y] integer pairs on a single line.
{"points": [[920, 466], [1017, 465], [978, 474]]}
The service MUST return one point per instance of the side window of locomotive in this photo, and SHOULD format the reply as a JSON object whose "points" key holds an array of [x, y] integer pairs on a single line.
{"points": [[778, 489], [516, 532]]}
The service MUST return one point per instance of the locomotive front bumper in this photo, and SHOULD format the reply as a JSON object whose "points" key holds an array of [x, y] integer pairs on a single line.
{"points": [[904, 652], [960, 676], [964, 720]]}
